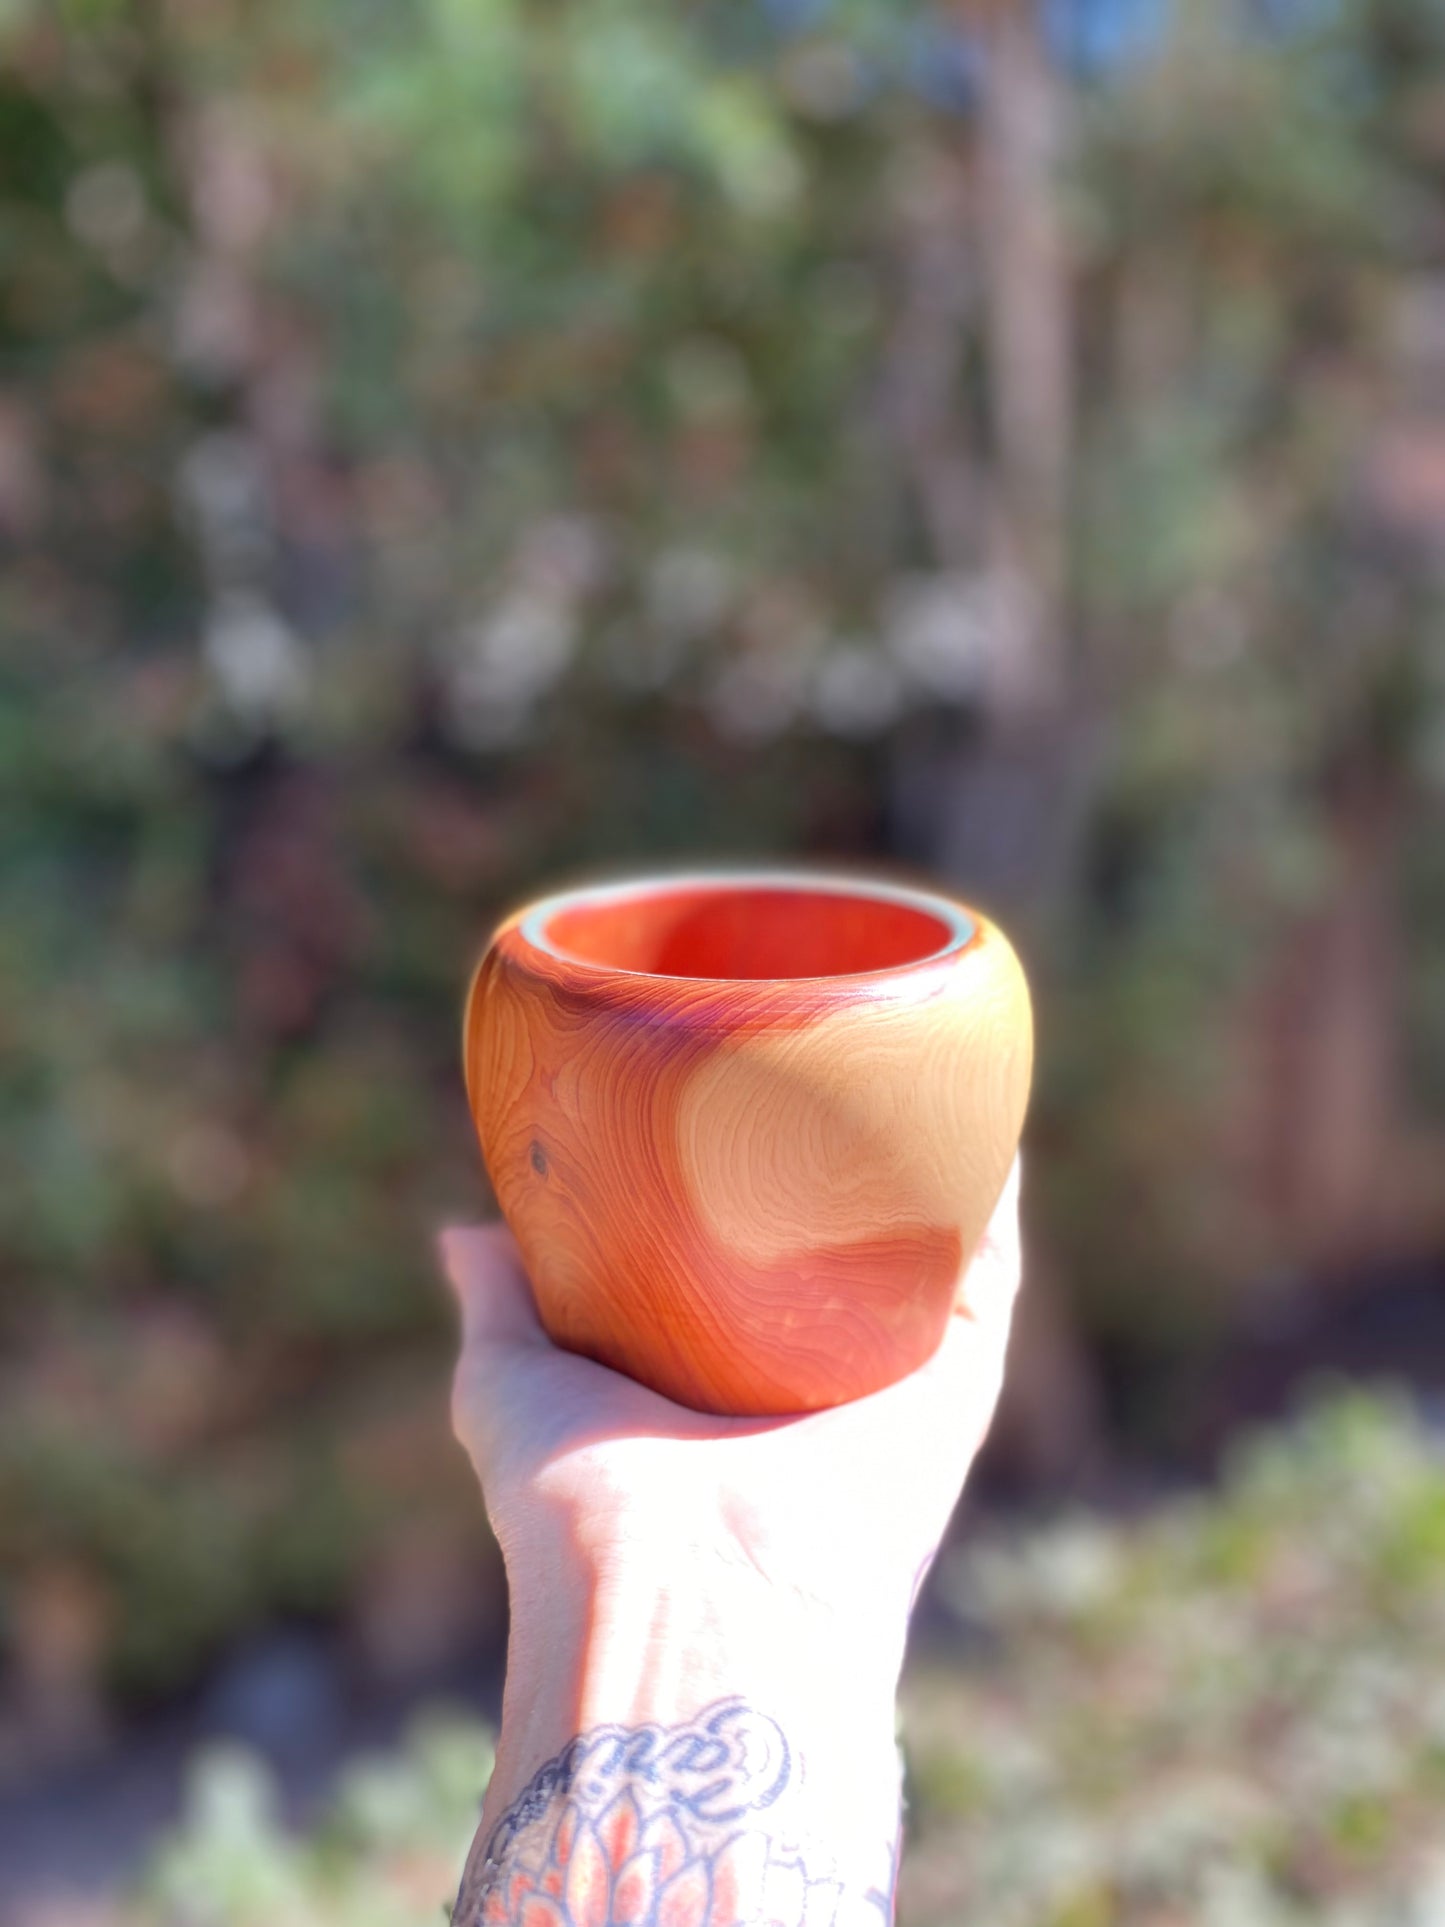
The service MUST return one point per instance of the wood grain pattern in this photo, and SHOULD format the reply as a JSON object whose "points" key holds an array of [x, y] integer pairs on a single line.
{"points": [[746, 1129]]}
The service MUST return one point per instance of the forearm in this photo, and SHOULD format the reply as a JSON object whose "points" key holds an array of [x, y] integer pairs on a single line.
{"points": [[681, 1745]]}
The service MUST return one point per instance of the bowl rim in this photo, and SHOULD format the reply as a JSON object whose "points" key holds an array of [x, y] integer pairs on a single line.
{"points": [[964, 925]]}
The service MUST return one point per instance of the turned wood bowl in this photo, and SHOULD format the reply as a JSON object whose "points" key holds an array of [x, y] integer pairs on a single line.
{"points": [[747, 1129]]}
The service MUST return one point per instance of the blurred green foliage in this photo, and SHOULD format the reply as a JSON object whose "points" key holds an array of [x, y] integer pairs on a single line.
{"points": [[388, 1852], [450, 444], [1232, 1709]]}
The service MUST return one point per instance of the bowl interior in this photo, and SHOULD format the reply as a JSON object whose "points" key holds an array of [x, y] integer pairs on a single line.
{"points": [[747, 928]]}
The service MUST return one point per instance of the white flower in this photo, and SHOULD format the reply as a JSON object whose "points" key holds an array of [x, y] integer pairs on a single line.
{"points": [[256, 659], [936, 630], [754, 697], [507, 661], [857, 691]]}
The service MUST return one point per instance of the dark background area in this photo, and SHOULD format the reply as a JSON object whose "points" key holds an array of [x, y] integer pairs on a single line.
{"points": [[454, 446]]}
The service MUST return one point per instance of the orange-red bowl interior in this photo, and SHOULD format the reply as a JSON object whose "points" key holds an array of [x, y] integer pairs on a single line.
{"points": [[744, 930]]}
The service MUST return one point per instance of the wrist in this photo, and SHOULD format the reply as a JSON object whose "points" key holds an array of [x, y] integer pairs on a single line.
{"points": [[632, 1634], [668, 1630]]}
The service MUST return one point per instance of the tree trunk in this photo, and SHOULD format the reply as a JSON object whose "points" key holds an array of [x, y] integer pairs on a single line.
{"points": [[1329, 1111], [1027, 314]]}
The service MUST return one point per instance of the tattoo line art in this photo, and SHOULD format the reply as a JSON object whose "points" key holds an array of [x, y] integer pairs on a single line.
{"points": [[660, 1826]]}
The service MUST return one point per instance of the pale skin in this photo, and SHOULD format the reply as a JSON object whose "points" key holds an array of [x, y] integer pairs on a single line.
{"points": [[718, 1607]]}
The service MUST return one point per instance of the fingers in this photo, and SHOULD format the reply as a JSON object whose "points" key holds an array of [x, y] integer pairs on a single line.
{"points": [[500, 1331], [481, 1264], [903, 1451]]}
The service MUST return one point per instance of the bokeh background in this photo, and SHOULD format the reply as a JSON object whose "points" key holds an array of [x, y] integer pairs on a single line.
{"points": [[452, 445]]}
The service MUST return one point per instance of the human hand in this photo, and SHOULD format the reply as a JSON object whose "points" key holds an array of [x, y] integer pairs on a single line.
{"points": [[826, 1508], [656, 1554]]}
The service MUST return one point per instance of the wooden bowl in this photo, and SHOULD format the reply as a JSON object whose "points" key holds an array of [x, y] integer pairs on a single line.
{"points": [[747, 1128]]}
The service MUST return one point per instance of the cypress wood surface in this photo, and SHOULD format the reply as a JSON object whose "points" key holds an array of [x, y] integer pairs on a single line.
{"points": [[746, 1129]]}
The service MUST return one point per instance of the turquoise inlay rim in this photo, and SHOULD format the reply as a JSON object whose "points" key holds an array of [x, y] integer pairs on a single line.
{"points": [[962, 927]]}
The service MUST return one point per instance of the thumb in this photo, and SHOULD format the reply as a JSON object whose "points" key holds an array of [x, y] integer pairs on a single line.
{"points": [[926, 1427], [482, 1265], [500, 1328], [934, 1421]]}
